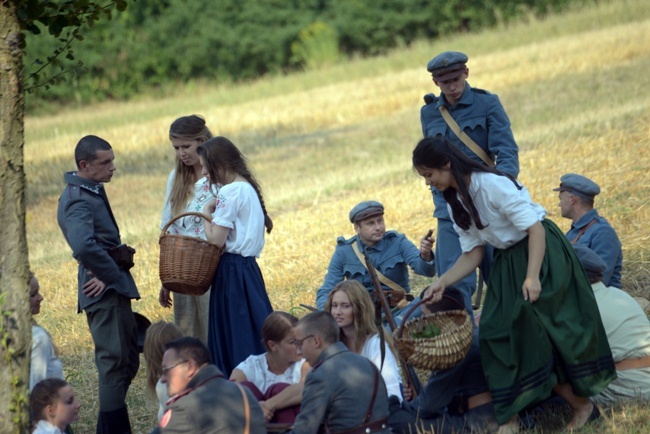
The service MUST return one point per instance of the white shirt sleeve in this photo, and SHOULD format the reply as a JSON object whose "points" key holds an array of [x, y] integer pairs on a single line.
{"points": [[390, 371]]}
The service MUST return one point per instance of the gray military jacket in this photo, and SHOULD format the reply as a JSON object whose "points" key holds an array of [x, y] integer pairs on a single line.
{"points": [[210, 404], [86, 220], [338, 392]]}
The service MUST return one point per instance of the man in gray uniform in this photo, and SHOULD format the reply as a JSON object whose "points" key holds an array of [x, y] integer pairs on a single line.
{"points": [[344, 392], [202, 400], [105, 285], [588, 228]]}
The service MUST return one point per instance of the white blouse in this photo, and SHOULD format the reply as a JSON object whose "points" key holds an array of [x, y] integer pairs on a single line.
{"points": [[44, 363], [239, 208], [44, 427], [191, 226], [256, 370], [506, 211], [390, 372]]}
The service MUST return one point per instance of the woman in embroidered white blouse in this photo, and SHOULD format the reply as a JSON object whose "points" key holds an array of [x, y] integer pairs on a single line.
{"points": [[187, 191]]}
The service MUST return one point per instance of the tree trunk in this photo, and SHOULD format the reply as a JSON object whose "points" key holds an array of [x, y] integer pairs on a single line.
{"points": [[15, 319]]}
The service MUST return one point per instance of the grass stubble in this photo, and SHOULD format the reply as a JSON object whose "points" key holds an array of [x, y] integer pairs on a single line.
{"points": [[575, 87]]}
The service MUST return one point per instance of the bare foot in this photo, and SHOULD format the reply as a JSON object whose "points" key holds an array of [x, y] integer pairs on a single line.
{"points": [[581, 415]]}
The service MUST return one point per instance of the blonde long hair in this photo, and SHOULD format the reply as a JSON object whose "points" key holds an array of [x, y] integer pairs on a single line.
{"points": [[158, 334], [191, 127], [363, 312]]}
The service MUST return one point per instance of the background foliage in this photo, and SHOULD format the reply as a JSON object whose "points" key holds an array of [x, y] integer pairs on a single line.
{"points": [[160, 43]]}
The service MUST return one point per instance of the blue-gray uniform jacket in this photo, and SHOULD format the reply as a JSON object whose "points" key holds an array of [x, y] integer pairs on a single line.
{"points": [[602, 239], [88, 225], [391, 256], [338, 391], [481, 115], [211, 404]]}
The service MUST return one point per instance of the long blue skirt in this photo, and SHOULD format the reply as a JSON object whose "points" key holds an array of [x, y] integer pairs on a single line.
{"points": [[238, 307]]}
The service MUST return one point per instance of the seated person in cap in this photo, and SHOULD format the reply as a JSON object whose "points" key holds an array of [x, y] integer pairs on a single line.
{"points": [[628, 334], [343, 392], [481, 117], [589, 229], [202, 400], [389, 252], [454, 400]]}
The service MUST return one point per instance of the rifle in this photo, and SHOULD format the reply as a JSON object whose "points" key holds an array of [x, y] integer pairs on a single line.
{"points": [[385, 306]]}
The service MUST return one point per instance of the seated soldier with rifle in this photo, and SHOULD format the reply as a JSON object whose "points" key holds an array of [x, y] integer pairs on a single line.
{"points": [[389, 252]]}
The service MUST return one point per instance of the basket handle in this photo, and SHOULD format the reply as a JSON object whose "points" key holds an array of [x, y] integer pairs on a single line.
{"points": [[185, 214], [400, 330]]}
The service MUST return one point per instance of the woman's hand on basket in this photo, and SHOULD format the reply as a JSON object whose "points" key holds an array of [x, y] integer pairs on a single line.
{"points": [[164, 297], [407, 392], [210, 206], [433, 293]]}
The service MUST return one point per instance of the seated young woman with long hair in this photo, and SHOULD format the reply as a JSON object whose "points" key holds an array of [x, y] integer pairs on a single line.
{"points": [[352, 308], [276, 377]]}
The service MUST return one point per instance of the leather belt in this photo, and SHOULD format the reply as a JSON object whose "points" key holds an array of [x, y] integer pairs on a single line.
{"points": [[478, 400], [641, 362]]}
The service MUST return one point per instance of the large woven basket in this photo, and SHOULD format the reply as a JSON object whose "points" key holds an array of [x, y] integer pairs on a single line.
{"points": [[442, 351], [187, 264]]}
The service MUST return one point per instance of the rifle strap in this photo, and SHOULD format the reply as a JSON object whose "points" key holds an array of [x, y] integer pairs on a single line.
{"points": [[383, 279], [471, 144]]}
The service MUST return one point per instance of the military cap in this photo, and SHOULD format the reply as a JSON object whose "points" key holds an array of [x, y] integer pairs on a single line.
{"points": [[591, 262], [447, 65], [366, 209], [578, 185]]}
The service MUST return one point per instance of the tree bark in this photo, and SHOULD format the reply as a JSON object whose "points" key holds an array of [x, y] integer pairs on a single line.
{"points": [[15, 322]]}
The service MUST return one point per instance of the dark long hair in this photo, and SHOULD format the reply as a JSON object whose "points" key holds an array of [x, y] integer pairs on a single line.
{"points": [[436, 152], [221, 155]]}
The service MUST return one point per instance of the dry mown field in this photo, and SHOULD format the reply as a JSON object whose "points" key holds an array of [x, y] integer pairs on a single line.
{"points": [[575, 87]]}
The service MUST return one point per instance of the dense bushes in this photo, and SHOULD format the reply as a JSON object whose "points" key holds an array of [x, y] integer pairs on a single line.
{"points": [[162, 42]]}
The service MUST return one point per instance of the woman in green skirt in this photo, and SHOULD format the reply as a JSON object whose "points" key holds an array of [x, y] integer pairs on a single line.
{"points": [[540, 329]]}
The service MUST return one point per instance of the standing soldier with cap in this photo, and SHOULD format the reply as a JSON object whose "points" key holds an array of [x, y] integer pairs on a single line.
{"points": [[576, 194], [390, 253], [474, 121]]}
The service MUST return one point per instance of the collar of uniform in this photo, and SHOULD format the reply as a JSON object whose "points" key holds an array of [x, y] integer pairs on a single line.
{"points": [[329, 352], [467, 98], [585, 219], [204, 375], [73, 179]]}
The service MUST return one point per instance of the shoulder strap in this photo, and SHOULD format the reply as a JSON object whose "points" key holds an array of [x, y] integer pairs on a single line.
{"points": [[383, 279], [247, 414], [464, 137], [374, 392], [583, 230]]}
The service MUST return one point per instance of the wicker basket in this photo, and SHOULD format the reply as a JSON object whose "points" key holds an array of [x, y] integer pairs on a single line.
{"points": [[187, 264], [442, 351]]}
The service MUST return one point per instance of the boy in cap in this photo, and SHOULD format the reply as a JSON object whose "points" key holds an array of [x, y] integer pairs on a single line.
{"points": [[628, 334], [390, 253], [475, 121], [576, 194]]}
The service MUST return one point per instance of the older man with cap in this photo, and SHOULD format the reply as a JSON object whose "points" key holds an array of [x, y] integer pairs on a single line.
{"points": [[389, 252], [628, 334], [576, 194], [475, 121]]}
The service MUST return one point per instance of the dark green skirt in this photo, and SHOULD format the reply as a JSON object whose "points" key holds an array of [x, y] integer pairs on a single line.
{"points": [[526, 349]]}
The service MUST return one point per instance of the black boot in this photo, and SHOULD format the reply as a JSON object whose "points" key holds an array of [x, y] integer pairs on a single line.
{"points": [[114, 422]]}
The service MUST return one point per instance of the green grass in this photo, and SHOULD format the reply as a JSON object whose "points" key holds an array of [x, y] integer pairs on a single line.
{"points": [[575, 87]]}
